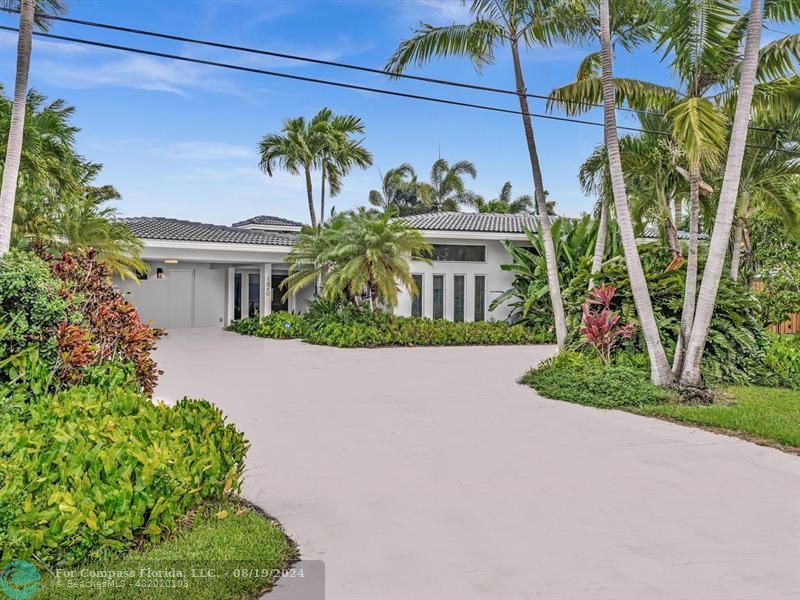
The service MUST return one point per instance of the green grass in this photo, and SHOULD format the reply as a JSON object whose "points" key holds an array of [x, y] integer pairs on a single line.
{"points": [[244, 539], [766, 415]]}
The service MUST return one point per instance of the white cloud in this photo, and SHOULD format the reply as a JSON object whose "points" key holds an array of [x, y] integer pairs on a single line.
{"points": [[204, 150]]}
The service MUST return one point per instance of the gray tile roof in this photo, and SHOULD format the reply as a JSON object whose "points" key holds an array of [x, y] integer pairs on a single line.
{"points": [[161, 228], [651, 233], [477, 222], [268, 220]]}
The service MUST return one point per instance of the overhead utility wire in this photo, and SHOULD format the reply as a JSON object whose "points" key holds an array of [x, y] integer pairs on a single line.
{"points": [[341, 84]]}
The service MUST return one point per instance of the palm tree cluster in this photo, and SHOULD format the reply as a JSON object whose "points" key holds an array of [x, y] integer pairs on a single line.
{"points": [[402, 193], [358, 256], [56, 200], [325, 143], [713, 144]]}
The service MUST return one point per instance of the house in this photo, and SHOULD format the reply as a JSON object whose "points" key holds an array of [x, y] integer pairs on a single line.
{"points": [[204, 275]]}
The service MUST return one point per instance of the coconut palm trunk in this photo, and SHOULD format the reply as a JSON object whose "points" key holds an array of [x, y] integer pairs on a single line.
{"points": [[310, 194], [8, 192], [690, 288], [322, 196], [541, 203], [720, 237], [600, 243], [738, 238], [660, 372]]}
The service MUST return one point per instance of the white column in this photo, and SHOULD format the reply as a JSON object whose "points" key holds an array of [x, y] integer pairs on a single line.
{"points": [[265, 291], [229, 295]]}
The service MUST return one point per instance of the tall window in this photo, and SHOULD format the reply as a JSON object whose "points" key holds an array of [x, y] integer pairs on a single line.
{"points": [[253, 294], [459, 253], [416, 301], [458, 298], [237, 296], [480, 297], [438, 296]]}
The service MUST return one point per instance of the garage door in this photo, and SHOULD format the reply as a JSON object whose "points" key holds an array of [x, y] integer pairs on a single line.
{"points": [[181, 298]]}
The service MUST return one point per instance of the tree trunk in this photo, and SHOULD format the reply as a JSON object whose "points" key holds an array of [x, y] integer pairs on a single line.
{"points": [[660, 372], [600, 242], [677, 207], [672, 236], [690, 288], [322, 197], [8, 191], [738, 236], [310, 193], [541, 203], [720, 238]]}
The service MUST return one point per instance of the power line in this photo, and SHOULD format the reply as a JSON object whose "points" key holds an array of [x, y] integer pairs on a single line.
{"points": [[341, 84], [300, 58]]}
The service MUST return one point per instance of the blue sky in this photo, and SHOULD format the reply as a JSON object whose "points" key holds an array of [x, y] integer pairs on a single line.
{"points": [[180, 140]]}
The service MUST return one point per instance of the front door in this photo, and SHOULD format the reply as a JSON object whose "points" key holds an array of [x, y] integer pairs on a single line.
{"points": [[181, 298], [277, 294]]}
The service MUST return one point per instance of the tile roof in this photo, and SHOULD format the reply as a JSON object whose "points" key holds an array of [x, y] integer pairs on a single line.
{"points": [[268, 220], [477, 222], [651, 232], [161, 228]]}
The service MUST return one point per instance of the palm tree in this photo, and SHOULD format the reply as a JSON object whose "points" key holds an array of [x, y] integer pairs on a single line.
{"points": [[8, 190], [398, 191], [690, 375], [338, 151], [358, 254], [296, 150], [594, 178], [499, 22], [503, 203], [446, 189], [769, 179]]}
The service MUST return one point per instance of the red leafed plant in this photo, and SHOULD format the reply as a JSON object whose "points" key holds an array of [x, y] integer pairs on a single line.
{"points": [[109, 327], [600, 326]]}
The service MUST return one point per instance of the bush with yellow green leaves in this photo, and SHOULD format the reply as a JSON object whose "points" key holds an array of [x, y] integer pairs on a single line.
{"points": [[91, 470]]}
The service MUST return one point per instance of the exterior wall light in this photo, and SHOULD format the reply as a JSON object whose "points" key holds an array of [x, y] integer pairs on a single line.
{"points": [[170, 261]]}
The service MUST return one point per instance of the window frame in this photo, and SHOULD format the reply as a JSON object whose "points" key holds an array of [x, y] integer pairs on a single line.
{"points": [[485, 296], [463, 277], [420, 295], [443, 277], [478, 262]]}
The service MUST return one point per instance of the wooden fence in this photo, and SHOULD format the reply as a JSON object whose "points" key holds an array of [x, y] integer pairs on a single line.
{"points": [[790, 326]]}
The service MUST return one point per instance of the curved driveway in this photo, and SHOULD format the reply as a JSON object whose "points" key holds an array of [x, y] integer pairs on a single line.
{"points": [[429, 473]]}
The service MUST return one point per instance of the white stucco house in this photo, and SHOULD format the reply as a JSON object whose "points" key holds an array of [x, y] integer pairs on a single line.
{"points": [[203, 275]]}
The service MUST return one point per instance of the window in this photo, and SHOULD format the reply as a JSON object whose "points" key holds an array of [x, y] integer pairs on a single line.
{"points": [[459, 253], [253, 294], [480, 297], [438, 296], [237, 296], [416, 301], [458, 298]]}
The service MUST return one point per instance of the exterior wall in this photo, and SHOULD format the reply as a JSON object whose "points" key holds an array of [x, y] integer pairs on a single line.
{"points": [[151, 296], [497, 281]]}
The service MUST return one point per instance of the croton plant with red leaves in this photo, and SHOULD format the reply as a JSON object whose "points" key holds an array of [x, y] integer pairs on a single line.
{"points": [[600, 326], [105, 327]]}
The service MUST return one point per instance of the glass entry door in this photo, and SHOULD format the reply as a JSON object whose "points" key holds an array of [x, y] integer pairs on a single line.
{"points": [[253, 296]]}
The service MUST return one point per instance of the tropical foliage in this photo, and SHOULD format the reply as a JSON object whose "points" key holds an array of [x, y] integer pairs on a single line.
{"points": [[359, 256], [346, 325], [324, 143], [504, 203]]}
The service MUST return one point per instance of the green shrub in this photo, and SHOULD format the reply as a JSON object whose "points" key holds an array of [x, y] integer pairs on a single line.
{"points": [[30, 301], [350, 326], [579, 378], [91, 469], [783, 358], [277, 325]]}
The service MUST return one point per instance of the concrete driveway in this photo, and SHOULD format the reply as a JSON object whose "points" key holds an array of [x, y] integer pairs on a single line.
{"points": [[429, 473]]}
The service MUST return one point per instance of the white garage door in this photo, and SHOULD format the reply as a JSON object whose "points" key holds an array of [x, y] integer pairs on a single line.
{"points": [[181, 298]]}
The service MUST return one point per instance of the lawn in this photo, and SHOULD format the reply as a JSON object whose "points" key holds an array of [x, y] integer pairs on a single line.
{"points": [[765, 415], [225, 551]]}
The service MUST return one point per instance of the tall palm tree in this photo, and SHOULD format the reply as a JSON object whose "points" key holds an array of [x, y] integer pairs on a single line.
{"points": [[660, 372], [338, 151], [296, 150], [499, 22], [446, 190], [8, 189], [398, 190], [595, 178], [504, 203], [690, 375]]}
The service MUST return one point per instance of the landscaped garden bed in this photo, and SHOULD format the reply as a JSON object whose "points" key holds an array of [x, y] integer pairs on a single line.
{"points": [[93, 472], [350, 326]]}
